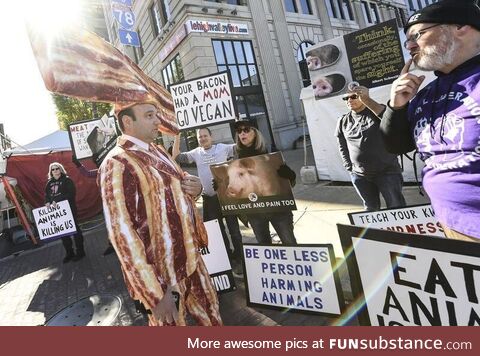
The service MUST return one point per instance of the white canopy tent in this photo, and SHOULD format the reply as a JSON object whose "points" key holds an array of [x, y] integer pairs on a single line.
{"points": [[55, 142]]}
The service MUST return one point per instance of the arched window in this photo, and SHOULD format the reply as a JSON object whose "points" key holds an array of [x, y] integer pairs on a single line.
{"points": [[302, 62]]}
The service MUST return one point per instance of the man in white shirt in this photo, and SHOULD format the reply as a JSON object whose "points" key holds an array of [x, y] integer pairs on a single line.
{"points": [[204, 156]]}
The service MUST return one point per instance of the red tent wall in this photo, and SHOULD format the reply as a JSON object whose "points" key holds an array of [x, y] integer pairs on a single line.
{"points": [[31, 174]]}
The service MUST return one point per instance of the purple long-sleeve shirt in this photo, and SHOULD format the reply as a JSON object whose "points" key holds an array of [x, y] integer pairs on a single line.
{"points": [[444, 119]]}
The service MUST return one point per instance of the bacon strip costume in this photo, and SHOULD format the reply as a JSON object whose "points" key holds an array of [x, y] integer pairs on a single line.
{"points": [[156, 230], [153, 225], [80, 64]]}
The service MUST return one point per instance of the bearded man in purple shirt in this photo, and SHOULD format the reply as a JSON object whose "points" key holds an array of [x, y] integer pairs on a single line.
{"points": [[442, 121]]}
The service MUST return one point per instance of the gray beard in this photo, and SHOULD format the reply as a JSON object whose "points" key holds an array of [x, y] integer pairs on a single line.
{"points": [[436, 57]]}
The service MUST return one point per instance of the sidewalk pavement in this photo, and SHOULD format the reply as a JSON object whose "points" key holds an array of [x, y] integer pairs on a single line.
{"points": [[35, 285]]}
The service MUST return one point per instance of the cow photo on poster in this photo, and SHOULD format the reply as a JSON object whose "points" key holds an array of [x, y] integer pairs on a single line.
{"points": [[252, 185]]}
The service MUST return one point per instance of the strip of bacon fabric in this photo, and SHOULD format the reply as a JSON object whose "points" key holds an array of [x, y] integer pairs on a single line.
{"points": [[80, 64]]}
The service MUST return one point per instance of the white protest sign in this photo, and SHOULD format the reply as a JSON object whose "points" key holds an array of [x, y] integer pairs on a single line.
{"points": [[300, 278], [54, 221], [419, 219], [203, 101], [90, 137], [409, 280], [216, 259]]}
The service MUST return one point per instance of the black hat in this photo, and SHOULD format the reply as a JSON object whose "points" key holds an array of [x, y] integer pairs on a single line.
{"points": [[243, 122], [456, 12]]}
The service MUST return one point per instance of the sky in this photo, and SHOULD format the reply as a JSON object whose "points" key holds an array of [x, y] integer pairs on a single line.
{"points": [[28, 112]]}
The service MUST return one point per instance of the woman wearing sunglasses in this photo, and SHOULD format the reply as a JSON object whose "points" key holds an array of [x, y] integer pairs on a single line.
{"points": [[60, 187], [250, 142]]}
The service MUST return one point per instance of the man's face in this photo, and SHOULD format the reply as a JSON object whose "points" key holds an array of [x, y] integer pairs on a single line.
{"points": [[204, 138], [145, 127], [354, 103], [435, 49]]}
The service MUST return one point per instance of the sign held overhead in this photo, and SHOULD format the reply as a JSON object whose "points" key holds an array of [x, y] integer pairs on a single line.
{"points": [[203, 101]]}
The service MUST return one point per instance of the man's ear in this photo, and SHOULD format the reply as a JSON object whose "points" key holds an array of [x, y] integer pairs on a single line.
{"points": [[127, 121], [462, 30]]}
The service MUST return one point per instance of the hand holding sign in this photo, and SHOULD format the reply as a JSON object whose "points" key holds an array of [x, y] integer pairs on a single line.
{"points": [[405, 87]]}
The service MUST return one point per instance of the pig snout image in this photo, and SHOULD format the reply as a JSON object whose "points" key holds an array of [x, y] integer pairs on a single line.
{"points": [[314, 63], [322, 86], [251, 176]]}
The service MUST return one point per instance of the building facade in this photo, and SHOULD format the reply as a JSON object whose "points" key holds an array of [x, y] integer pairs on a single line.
{"points": [[262, 44]]}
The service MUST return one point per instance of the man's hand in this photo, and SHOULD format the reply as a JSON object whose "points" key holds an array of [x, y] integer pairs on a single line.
{"points": [[47, 205], [166, 311], [362, 92], [405, 87], [191, 185]]}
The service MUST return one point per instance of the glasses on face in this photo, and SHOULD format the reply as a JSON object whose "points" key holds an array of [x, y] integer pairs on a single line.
{"points": [[416, 36], [353, 97], [243, 129], [55, 169]]}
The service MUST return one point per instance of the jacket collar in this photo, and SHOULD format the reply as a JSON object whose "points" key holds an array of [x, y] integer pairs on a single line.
{"points": [[153, 152]]}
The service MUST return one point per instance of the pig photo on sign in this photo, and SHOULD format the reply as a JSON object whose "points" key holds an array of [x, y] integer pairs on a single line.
{"points": [[240, 178], [328, 85], [322, 57]]}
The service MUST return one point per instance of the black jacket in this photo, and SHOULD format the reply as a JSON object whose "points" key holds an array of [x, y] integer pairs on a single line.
{"points": [[61, 189]]}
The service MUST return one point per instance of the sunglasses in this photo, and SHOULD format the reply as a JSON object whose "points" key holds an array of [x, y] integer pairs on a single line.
{"points": [[243, 129], [353, 97], [55, 169]]}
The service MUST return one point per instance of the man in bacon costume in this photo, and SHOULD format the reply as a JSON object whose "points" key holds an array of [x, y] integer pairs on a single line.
{"points": [[153, 224], [148, 200]]}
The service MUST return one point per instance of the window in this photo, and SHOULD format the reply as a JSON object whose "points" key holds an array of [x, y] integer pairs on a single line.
{"points": [[415, 5], [302, 62], [231, 2], [401, 16], [290, 6], [306, 7], [340, 9], [138, 51], [155, 18], [159, 17], [298, 6], [173, 72], [165, 11], [370, 12], [238, 58]]}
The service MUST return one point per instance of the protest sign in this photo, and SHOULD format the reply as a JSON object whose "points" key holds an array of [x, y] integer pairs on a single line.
{"points": [[375, 54], [370, 57], [406, 279], [418, 219], [93, 138], [203, 101], [216, 259], [252, 185], [54, 222], [297, 278]]}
